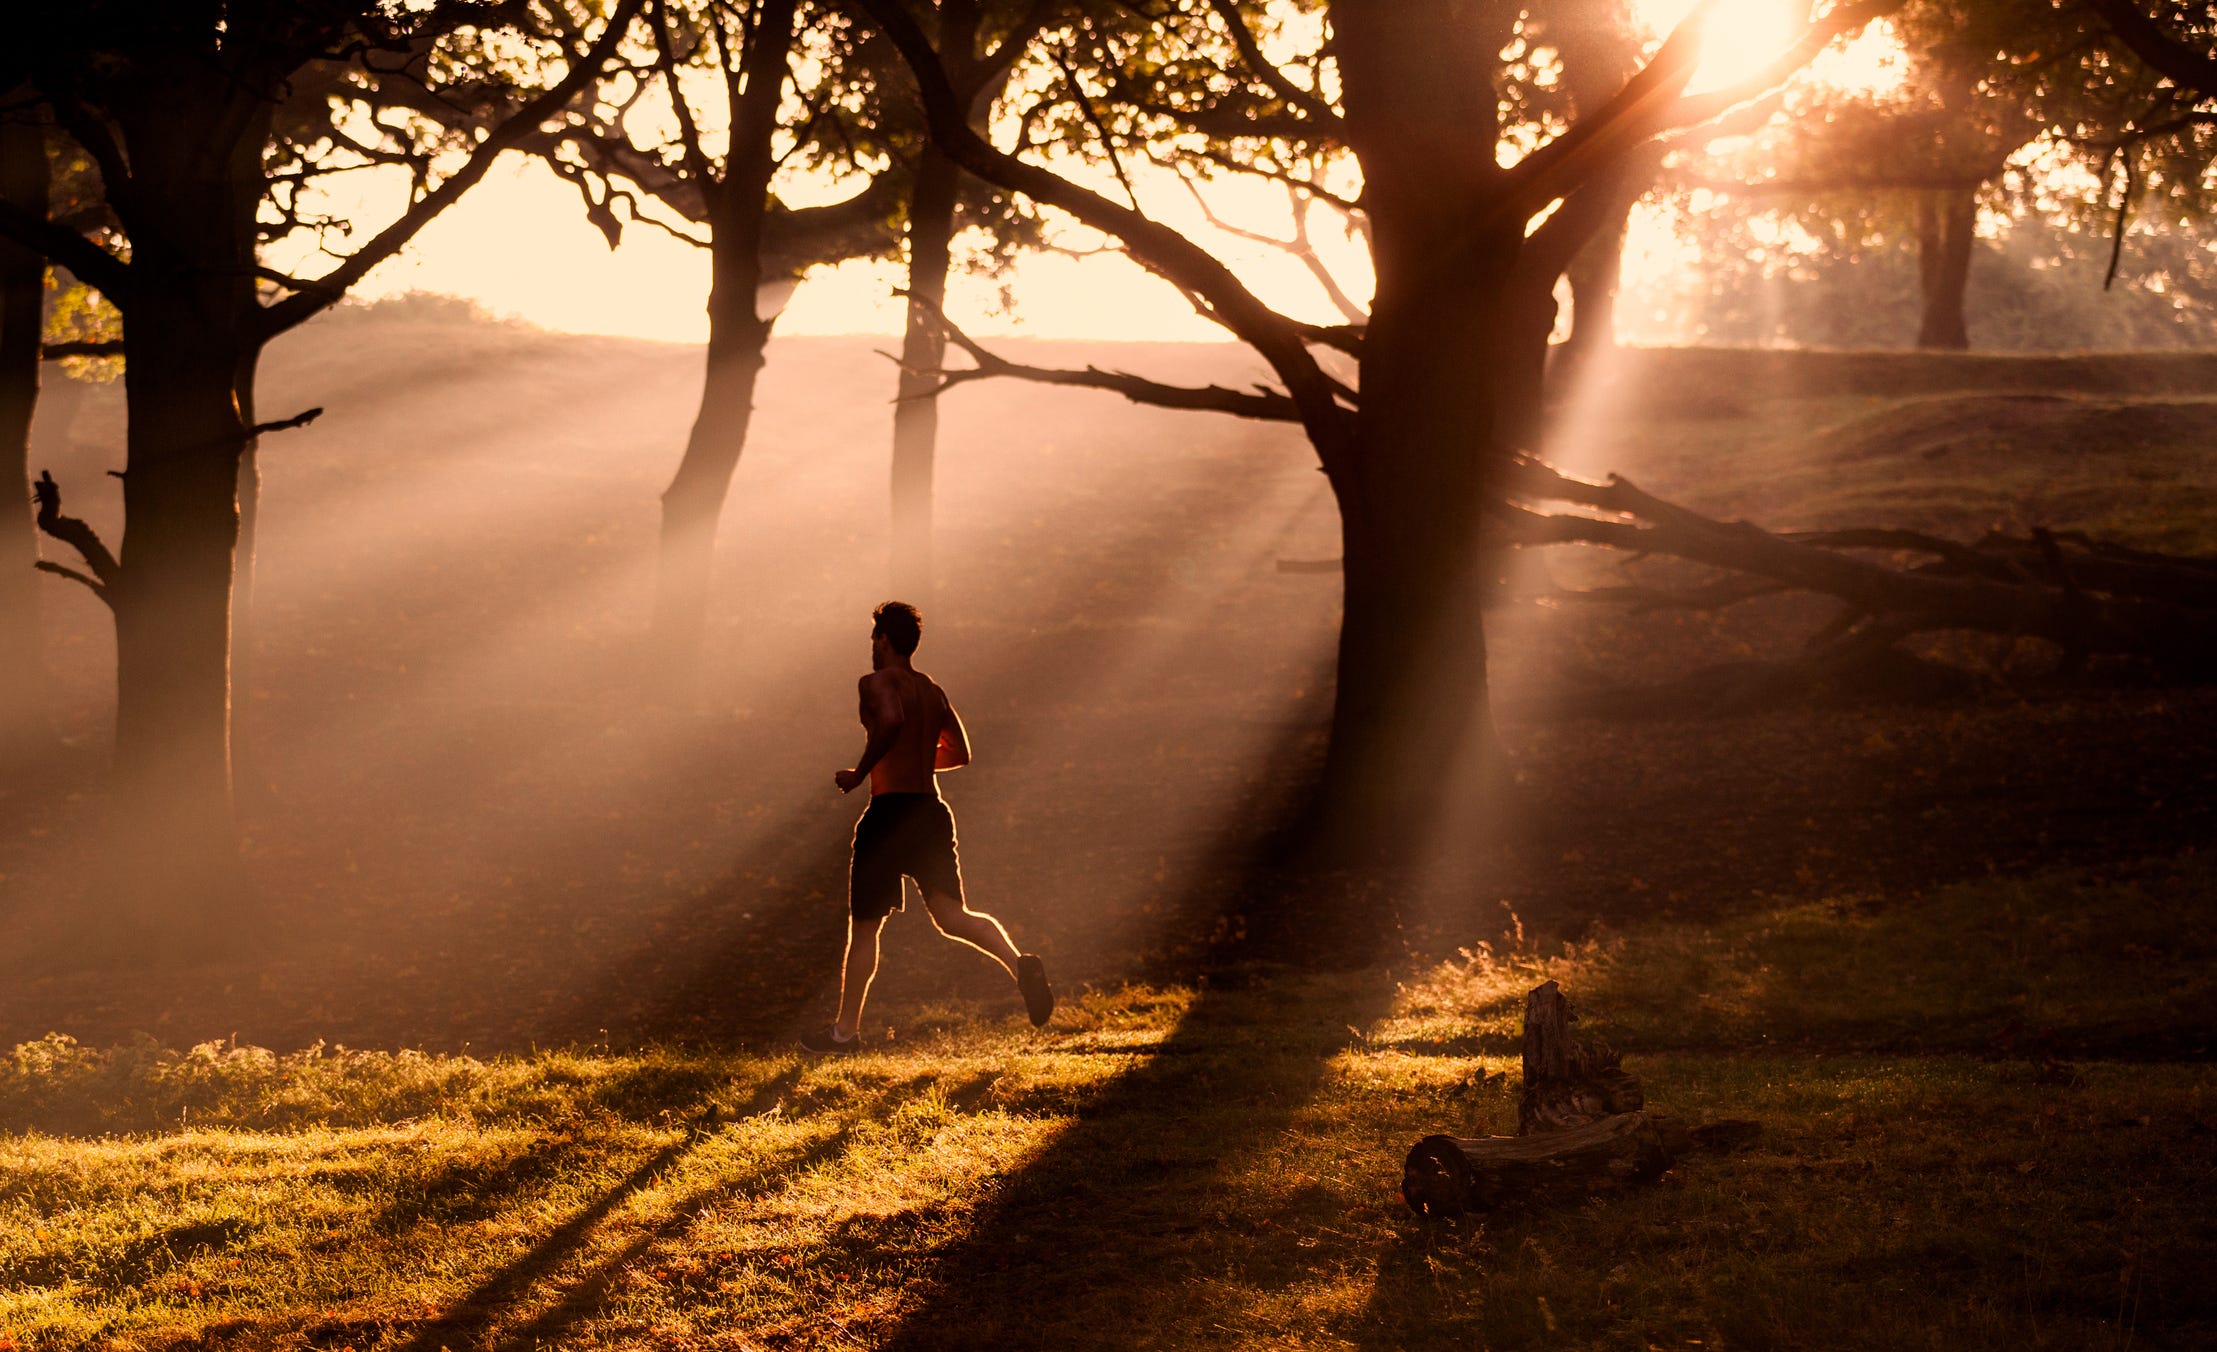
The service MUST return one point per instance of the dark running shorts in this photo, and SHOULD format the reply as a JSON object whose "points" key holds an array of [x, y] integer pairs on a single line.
{"points": [[911, 833]]}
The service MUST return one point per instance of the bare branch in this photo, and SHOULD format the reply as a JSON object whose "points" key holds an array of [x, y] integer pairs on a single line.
{"points": [[1268, 72], [102, 347], [1653, 102], [92, 264], [286, 424], [696, 159], [1154, 246], [2191, 70], [1267, 405], [77, 535], [1722, 594], [63, 570]]}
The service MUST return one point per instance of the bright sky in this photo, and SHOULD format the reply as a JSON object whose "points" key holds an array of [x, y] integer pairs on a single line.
{"points": [[560, 274]]}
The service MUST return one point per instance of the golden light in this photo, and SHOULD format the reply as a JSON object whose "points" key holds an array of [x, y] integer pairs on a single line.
{"points": [[1742, 37]]}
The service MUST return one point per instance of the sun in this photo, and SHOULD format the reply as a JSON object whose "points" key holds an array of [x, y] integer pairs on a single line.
{"points": [[1742, 37]]}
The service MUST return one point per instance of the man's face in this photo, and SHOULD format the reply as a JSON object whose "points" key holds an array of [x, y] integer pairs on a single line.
{"points": [[881, 651]]}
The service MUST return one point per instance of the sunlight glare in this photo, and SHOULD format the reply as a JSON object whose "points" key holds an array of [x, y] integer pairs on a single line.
{"points": [[1744, 36]]}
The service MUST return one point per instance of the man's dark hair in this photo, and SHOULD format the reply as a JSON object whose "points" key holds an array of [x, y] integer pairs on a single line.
{"points": [[901, 623]]}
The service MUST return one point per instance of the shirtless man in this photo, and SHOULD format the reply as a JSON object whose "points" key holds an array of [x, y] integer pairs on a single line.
{"points": [[912, 732]]}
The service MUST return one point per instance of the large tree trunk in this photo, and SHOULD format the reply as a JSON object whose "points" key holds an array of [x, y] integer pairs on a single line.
{"points": [[931, 225], [23, 184], [189, 326], [1410, 723], [1946, 223]]}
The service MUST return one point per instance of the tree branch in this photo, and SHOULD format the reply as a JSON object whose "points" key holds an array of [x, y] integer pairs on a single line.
{"points": [[1653, 102], [92, 264], [78, 536], [296, 308], [2191, 70], [102, 347], [1155, 247], [1266, 405], [1250, 51]]}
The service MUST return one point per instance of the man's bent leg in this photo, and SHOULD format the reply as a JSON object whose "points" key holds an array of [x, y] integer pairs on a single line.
{"points": [[859, 970], [975, 928]]}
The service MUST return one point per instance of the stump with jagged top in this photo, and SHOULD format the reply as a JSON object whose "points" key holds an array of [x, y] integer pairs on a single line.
{"points": [[1581, 1124]]}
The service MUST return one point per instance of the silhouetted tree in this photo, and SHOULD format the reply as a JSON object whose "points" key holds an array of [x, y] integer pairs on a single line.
{"points": [[979, 41], [23, 186], [1466, 251], [1982, 83], [176, 103]]}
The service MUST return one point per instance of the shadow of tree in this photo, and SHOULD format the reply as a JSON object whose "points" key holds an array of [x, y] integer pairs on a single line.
{"points": [[501, 1292]]}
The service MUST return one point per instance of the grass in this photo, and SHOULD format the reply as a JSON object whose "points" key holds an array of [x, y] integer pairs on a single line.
{"points": [[1198, 1167]]}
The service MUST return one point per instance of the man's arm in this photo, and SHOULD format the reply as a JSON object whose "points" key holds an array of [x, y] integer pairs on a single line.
{"points": [[953, 751], [881, 717]]}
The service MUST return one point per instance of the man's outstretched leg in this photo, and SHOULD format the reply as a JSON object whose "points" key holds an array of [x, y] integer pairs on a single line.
{"points": [[855, 975], [984, 933]]}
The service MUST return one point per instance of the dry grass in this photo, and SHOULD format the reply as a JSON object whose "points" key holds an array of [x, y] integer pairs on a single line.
{"points": [[1201, 1167]]}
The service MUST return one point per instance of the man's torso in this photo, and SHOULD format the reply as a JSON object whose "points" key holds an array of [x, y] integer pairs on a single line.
{"points": [[907, 766]]}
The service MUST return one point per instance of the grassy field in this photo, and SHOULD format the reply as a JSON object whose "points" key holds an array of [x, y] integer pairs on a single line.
{"points": [[1966, 1143]]}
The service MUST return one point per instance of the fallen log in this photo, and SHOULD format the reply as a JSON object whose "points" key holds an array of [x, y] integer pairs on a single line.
{"points": [[2084, 595]]}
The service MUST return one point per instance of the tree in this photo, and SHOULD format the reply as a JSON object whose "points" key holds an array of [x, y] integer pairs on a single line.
{"points": [[978, 41], [175, 103], [1466, 251], [1990, 93], [24, 185], [745, 93]]}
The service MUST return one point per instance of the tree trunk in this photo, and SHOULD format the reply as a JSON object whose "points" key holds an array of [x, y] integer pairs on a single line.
{"points": [[694, 501], [1594, 278], [1411, 730], [931, 225], [189, 326], [23, 184], [737, 335], [1946, 222]]}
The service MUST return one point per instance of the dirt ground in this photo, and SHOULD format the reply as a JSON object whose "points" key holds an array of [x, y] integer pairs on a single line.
{"points": [[476, 820]]}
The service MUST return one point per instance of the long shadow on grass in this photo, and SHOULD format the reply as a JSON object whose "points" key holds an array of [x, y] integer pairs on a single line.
{"points": [[1110, 1216], [502, 1291]]}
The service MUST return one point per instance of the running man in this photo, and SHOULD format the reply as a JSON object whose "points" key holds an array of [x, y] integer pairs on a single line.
{"points": [[907, 830]]}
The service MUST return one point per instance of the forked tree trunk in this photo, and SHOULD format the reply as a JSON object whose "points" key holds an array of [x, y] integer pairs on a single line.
{"points": [[23, 184], [931, 225], [1946, 234]]}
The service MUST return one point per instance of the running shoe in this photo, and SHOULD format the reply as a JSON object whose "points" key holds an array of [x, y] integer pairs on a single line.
{"points": [[1039, 997], [824, 1044]]}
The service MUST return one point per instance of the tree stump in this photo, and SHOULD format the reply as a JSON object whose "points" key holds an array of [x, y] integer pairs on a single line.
{"points": [[1568, 1082], [1581, 1125]]}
